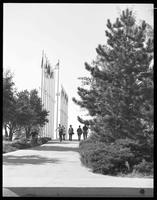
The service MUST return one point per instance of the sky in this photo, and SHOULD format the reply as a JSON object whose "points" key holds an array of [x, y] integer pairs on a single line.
{"points": [[68, 32]]}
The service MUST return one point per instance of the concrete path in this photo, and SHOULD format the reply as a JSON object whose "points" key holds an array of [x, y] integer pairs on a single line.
{"points": [[55, 169]]}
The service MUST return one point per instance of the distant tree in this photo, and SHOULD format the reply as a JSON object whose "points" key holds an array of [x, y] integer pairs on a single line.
{"points": [[25, 115], [30, 111], [21, 110], [36, 104], [9, 104]]}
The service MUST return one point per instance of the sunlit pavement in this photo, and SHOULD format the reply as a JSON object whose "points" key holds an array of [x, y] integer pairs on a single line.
{"points": [[55, 169]]}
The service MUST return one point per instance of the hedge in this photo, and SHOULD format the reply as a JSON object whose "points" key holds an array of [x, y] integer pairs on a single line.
{"points": [[113, 159]]}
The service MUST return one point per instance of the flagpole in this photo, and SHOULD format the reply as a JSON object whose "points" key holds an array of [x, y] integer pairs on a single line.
{"points": [[53, 102], [42, 67], [57, 99], [47, 99], [45, 94], [49, 125], [44, 97], [50, 103], [41, 74]]}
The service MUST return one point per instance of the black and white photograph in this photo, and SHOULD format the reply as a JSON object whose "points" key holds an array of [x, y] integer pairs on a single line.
{"points": [[78, 100]]}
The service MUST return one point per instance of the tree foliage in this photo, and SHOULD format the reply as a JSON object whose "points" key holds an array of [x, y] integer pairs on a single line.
{"points": [[21, 110], [120, 96], [9, 104], [30, 111]]}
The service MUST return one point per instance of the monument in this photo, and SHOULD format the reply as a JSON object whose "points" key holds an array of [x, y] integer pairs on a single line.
{"points": [[54, 99]]}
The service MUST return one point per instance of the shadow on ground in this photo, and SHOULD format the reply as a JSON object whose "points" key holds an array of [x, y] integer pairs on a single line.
{"points": [[33, 159], [36, 159], [56, 148]]}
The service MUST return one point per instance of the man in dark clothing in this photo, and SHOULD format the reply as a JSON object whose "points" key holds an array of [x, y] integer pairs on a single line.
{"points": [[60, 129], [79, 133], [85, 131], [64, 132], [34, 139], [71, 132]]}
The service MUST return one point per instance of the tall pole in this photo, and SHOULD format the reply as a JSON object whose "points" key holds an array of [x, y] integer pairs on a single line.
{"points": [[49, 104], [45, 88], [53, 102], [57, 99], [49, 110], [42, 68]]}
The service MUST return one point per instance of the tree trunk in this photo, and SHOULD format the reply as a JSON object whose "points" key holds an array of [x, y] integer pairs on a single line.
{"points": [[6, 132], [10, 134], [28, 132]]}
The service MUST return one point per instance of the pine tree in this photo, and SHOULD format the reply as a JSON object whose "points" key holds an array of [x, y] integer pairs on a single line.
{"points": [[120, 97]]}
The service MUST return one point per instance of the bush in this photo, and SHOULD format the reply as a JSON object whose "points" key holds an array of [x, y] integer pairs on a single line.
{"points": [[121, 157], [21, 143], [106, 159], [144, 167], [43, 140], [7, 147]]}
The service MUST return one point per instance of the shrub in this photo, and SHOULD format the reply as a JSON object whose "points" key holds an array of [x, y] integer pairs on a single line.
{"points": [[104, 158], [43, 140], [144, 167], [21, 143], [121, 157], [7, 147]]}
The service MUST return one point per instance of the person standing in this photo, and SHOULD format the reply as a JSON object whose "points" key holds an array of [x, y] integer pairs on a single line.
{"points": [[85, 131], [34, 139], [71, 132], [60, 130], [79, 133], [63, 127]]}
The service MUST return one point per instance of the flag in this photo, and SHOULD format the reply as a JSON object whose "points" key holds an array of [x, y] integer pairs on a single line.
{"points": [[51, 74], [57, 65], [45, 66], [64, 95], [48, 69], [42, 61]]}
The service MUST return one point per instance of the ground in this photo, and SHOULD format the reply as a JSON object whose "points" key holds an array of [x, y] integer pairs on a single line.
{"points": [[55, 169]]}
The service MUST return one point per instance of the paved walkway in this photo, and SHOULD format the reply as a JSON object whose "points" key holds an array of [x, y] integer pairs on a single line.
{"points": [[55, 169]]}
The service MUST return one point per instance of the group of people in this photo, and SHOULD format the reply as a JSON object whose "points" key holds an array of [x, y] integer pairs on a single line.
{"points": [[83, 130], [80, 131], [62, 132]]}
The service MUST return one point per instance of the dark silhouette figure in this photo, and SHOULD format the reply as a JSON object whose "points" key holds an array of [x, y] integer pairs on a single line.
{"points": [[34, 139], [79, 133], [63, 127], [85, 131], [60, 129], [71, 132]]}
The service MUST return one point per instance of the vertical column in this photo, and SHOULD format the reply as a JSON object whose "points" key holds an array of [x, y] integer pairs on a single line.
{"points": [[48, 101], [57, 98], [52, 105], [44, 96], [46, 93], [42, 84], [49, 105]]}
